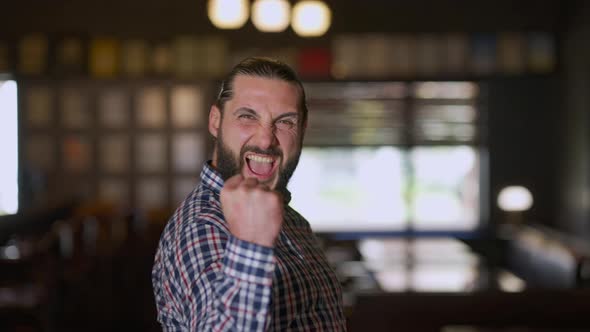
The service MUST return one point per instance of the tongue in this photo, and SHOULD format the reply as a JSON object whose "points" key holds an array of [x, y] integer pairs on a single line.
{"points": [[260, 168]]}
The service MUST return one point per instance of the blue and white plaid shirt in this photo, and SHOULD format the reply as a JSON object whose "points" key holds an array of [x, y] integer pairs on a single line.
{"points": [[205, 279]]}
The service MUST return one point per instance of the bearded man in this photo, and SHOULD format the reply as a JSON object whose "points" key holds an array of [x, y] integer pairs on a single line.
{"points": [[235, 256]]}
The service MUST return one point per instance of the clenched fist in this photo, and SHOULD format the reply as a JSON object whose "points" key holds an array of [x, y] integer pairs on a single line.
{"points": [[253, 212]]}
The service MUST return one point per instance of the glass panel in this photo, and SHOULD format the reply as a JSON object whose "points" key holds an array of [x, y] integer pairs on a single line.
{"points": [[151, 153], [450, 122], [187, 108], [541, 55], [76, 153], [151, 193], [114, 153], [33, 54], [113, 109], [39, 101], [135, 57], [445, 113], [187, 152], [346, 56], [355, 90], [8, 148], [182, 187], [161, 59], [216, 53], [511, 53], [75, 112], [360, 113], [379, 65], [40, 152], [455, 53], [355, 189], [428, 55], [403, 49], [188, 56], [151, 108], [80, 185], [483, 53], [104, 57], [356, 122], [70, 57], [445, 90], [445, 193], [114, 191]]}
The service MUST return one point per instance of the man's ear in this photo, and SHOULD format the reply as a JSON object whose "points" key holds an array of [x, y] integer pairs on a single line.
{"points": [[214, 120]]}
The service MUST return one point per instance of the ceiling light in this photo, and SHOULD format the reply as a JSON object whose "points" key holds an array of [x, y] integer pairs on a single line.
{"points": [[271, 15], [228, 14], [311, 18]]}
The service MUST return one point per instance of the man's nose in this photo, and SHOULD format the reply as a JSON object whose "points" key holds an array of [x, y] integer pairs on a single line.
{"points": [[266, 136]]}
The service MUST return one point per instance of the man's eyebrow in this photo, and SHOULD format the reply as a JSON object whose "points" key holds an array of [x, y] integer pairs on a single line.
{"points": [[286, 115], [247, 110]]}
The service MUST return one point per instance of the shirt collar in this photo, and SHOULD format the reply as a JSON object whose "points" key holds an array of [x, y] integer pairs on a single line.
{"points": [[211, 178]]}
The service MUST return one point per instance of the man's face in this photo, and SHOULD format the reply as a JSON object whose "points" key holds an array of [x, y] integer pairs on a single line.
{"points": [[259, 133]]}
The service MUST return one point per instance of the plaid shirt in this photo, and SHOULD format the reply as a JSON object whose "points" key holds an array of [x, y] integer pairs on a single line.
{"points": [[205, 279]]}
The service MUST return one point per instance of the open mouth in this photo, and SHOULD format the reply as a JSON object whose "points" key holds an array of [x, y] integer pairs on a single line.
{"points": [[262, 166]]}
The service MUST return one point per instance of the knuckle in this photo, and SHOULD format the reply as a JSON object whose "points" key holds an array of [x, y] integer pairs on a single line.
{"points": [[258, 193], [274, 198]]}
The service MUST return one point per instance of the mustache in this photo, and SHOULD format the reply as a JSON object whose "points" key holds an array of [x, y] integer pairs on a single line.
{"points": [[272, 151]]}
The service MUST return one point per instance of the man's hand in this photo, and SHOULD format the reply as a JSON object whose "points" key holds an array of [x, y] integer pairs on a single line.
{"points": [[253, 211]]}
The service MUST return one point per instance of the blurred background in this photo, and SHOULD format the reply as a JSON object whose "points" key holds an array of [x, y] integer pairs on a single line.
{"points": [[445, 167]]}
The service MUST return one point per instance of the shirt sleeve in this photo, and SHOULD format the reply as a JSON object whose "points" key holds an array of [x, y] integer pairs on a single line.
{"points": [[209, 280]]}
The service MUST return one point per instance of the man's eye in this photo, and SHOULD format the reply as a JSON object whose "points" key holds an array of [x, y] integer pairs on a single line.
{"points": [[246, 116], [286, 123]]}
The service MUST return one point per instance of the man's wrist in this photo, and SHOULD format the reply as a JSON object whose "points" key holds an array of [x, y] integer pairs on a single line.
{"points": [[257, 239], [249, 261]]}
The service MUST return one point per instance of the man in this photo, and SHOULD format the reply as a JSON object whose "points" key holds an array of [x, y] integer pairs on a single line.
{"points": [[234, 256]]}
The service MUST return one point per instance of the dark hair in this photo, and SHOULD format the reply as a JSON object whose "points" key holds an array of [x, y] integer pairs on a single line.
{"points": [[265, 68]]}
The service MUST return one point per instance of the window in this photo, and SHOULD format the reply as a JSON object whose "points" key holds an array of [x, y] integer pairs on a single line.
{"points": [[347, 189], [445, 187], [391, 156], [8, 148]]}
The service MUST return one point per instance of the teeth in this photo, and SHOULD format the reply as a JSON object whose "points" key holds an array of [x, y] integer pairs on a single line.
{"points": [[260, 159]]}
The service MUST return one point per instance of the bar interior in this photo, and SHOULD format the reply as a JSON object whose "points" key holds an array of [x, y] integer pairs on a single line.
{"points": [[445, 167]]}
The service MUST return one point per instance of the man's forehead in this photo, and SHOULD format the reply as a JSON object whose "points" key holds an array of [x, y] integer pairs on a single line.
{"points": [[242, 81], [252, 88]]}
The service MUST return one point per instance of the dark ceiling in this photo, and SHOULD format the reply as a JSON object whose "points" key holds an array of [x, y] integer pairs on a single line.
{"points": [[163, 18]]}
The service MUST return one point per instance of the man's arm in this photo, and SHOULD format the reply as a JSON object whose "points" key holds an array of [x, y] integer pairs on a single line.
{"points": [[221, 280], [211, 280]]}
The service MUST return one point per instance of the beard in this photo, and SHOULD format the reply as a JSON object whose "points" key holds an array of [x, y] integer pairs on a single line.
{"points": [[228, 164]]}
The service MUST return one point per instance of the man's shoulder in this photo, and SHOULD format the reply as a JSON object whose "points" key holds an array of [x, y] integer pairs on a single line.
{"points": [[200, 210], [295, 218], [201, 200]]}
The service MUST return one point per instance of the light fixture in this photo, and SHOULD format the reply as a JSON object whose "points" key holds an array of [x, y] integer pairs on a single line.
{"points": [[228, 14], [271, 15], [311, 18], [515, 199]]}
